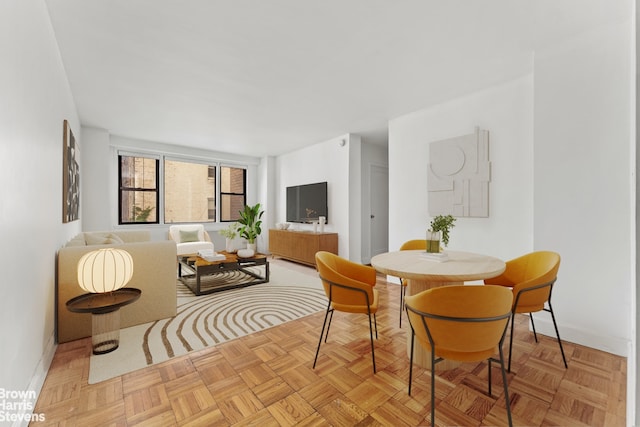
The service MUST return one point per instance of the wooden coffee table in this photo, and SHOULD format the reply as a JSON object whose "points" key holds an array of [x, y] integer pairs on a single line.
{"points": [[215, 276]]}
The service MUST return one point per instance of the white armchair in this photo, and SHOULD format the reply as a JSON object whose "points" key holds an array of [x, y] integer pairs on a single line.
{"points": [[190, 238]]}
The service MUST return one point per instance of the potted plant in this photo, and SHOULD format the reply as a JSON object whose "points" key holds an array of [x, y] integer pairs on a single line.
{"points": [[439, 229], [250, 224], [230, 233]]}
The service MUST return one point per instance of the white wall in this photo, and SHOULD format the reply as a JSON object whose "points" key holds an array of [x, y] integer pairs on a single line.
{"points": [[583, 192], [355, 199], [326, 161], [96, 190], [35, 101], [267, 197], [562, 156], [506, 111]]}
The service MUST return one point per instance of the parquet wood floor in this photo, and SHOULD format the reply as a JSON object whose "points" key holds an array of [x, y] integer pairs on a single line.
{"points": [[266, 379]]}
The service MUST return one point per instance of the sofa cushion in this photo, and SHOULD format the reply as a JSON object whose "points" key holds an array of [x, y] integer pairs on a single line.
{"points": [[78, 240], [187, 236], [102, 239], [174, 231], [191, 248]]}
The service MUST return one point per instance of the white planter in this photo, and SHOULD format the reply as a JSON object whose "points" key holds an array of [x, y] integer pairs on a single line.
{"points": [[230, 245], [246, 253]]}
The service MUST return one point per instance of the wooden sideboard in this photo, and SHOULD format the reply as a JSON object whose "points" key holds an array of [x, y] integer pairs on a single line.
{"points": [[301, 246]]}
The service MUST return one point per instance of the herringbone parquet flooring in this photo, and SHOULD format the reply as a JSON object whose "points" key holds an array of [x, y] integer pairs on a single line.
{"points": [[266, 379]]}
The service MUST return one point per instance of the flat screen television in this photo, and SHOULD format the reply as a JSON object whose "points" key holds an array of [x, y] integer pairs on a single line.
{"points": [[306, 203]]}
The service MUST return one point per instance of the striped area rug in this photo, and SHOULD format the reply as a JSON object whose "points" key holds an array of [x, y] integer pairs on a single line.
{"points": [[207, 320]]}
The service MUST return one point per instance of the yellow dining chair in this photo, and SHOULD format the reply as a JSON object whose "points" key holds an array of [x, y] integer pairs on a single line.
{"points": [[349, 288], [531, 278], [462, 323], [408, 246]]}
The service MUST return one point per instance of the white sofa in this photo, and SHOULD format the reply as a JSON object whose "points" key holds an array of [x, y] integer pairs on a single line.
{"points": [[154, 273], [190, 238]]}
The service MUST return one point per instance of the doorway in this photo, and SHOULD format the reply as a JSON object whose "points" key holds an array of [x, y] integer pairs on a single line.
{"points": [[379, 209]]}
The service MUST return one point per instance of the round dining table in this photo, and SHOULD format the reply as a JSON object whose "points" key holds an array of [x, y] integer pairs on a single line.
{"points": [[424, 271]]}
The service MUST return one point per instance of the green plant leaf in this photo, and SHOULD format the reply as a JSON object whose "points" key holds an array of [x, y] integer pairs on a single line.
{"points": [[250, 224], [443, 223]]}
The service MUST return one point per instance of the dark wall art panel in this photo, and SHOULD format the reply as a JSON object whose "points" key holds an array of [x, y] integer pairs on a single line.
{"points": [[70, 177]]}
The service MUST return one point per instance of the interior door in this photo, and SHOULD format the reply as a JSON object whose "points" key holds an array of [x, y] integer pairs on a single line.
{"points": [[379, 212]]}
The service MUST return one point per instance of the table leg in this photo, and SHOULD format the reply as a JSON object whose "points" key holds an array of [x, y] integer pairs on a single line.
{"points": [[105, 331], [422, 357]]}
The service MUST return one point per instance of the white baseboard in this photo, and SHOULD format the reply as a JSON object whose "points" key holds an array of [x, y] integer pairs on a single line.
{"points": [[614, 345], [35, 385], [631, 385]]}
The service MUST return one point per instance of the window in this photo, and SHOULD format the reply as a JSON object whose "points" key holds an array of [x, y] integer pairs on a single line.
{"points": [[192, 190], [188, 188], [232, 192], [211, 208], [138, 196]]}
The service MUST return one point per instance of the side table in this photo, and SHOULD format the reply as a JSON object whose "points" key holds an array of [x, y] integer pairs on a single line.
{"points": [[105, 315]]}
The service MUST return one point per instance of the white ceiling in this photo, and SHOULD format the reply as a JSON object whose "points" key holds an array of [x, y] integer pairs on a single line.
{"points": [[264, 77]]}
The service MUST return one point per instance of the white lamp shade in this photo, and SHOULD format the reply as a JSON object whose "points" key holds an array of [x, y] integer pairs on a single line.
{"points": [[105, 270]]}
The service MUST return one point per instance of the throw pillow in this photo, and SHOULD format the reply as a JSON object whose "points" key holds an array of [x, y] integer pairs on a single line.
{"points": [[189, 236], [102, 239], [77, 241]]}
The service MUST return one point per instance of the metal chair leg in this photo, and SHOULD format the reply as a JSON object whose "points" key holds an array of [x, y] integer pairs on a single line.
{"points": [[513, 319], [553, 317], [489, 377], [328, 326], [413, 340], [375, 322], [533, 326], [321, 334], [373, 355], [403, 290], [433, 387], [506, 389]]}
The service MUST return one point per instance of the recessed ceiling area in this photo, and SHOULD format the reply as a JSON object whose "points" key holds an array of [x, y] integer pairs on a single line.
{"points": [[268, 77]]}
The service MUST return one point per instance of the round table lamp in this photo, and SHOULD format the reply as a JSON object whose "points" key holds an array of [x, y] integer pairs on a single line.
{"points": [[105, 270], [103, 273]]}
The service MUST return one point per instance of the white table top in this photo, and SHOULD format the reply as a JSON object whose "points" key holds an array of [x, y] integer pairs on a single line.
{"points": [[461, 266]]}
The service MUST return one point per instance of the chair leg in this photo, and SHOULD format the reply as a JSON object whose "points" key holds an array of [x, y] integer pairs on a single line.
{"points": [[328, 326], [375, 322], [403, 290], [553, 317], [413, 340], [433, 387], [507, 401], [533, 326], [513, 316], [321, 334], [489, 376], [373, 355]]}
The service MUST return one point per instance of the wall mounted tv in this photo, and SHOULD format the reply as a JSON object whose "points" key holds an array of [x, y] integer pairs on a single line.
{"points": [[306, 203]]}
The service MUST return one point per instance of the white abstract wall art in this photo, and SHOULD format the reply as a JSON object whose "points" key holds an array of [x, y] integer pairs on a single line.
{"points": [[458, 176]]}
